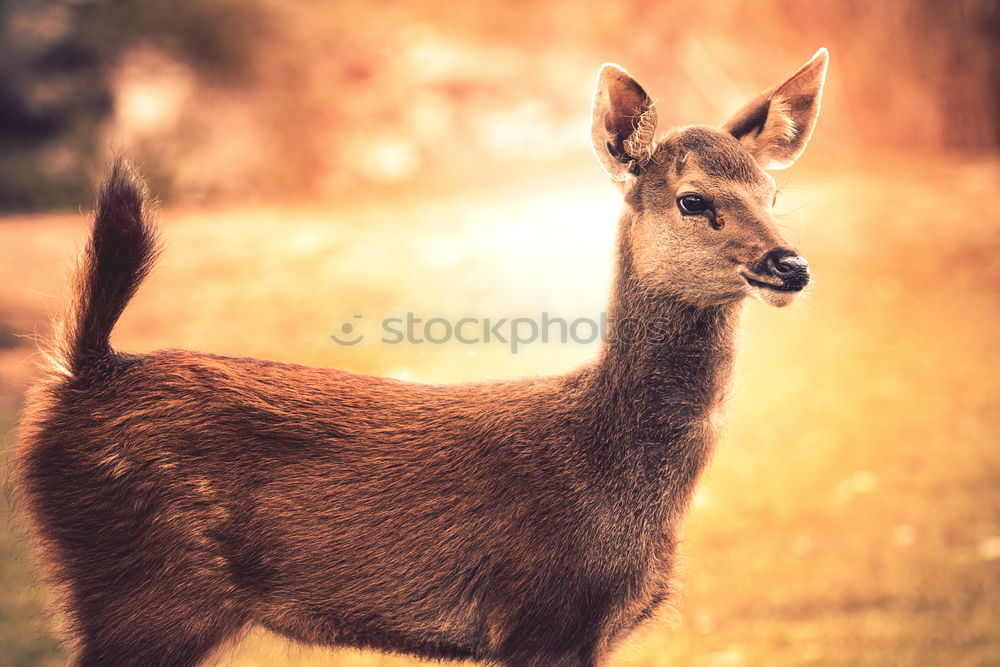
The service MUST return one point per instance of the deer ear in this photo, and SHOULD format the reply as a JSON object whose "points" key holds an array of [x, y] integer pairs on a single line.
{"points": [[623, 121], [776, 125]]}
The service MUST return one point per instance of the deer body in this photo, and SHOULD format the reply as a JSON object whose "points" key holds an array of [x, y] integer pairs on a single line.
{"points": [[180, 497]]}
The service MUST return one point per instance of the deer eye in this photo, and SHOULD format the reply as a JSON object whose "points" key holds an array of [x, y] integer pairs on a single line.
{"points": [[692, 204]]}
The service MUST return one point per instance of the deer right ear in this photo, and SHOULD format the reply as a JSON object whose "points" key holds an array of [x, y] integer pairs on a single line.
{"points": [[622, 123], [776, 125]]}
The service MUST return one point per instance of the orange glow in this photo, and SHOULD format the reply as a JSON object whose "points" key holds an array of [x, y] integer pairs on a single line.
{"points": [[381, 158]]}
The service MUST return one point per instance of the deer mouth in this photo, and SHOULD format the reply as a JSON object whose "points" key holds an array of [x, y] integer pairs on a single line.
{"points": [[777, 287]]}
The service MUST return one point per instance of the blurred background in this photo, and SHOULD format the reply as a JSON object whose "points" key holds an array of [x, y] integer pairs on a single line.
{"points": [[317, 161]]}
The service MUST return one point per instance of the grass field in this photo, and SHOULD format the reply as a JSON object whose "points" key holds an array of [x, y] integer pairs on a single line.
{"points": [[852, 513]]}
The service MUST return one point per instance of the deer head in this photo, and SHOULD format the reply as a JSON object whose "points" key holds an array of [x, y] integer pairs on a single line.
{"points": [[700, 223]]}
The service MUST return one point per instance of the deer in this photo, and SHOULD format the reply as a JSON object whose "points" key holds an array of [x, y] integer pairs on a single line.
{"points": [[179, 498]]}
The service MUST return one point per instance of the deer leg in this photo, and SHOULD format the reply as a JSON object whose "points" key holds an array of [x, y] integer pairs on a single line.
{"points": [[582, 657], [137, 643], [151, 617], [563, 660]]}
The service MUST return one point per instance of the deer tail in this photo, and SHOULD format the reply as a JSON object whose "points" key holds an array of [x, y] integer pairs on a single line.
{"points": [[122, 248]]}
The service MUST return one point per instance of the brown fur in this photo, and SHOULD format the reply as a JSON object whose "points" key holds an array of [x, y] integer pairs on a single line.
{"points": [[180, 497]]}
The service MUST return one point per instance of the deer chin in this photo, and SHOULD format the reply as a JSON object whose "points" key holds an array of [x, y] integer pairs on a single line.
{"points": [[773, 297], [773, 294]]}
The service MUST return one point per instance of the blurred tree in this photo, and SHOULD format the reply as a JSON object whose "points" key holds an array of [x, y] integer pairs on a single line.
{"points": [[275, 99], [56, 62]]}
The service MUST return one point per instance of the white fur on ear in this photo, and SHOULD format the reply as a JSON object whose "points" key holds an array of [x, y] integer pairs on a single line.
{"points": [[623, 123], [775, 126]]}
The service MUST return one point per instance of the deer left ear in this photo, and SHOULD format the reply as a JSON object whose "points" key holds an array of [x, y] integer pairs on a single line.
{"points": [[623, 121], [776, 125]]}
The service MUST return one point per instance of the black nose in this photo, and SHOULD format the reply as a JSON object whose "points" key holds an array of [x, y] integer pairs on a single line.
{"points": [[783, 264]]}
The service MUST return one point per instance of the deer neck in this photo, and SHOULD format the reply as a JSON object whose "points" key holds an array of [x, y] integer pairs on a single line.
{"points": [[661, 379]]}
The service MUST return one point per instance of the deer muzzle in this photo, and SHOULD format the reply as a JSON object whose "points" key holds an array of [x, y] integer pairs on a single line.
{"points": [[781, 269]]}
